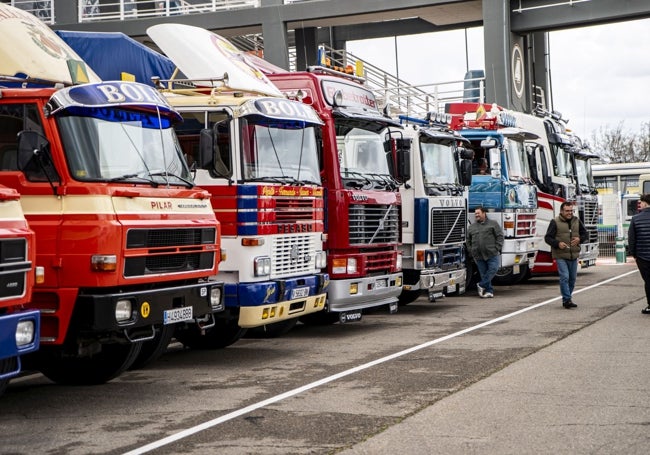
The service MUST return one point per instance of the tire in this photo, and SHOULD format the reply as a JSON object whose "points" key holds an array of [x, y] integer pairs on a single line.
{"points": [[320, 318], [407, 297], [108, 364], [471, 275], [152, 350], [506, 277], [223, 334], [272, 330]]}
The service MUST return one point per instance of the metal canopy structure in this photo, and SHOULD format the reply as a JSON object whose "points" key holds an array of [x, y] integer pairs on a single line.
{"points": [[515, 48]]}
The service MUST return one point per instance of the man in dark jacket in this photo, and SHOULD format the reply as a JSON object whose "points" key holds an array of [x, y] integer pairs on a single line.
{"points": [[565, 233], [484, 243], [638, 239]]}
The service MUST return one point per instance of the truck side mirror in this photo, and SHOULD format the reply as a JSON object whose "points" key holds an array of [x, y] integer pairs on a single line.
{"points": [[404, 159], [206, 148], [34, 158], [466, 172], [465, 154]]}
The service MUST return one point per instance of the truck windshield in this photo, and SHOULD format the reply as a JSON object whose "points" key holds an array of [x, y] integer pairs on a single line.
{"points": [[561, 163], [362, 155], [438, 165], [282, 151], [517, 159], [584, 174], [102, 150]]}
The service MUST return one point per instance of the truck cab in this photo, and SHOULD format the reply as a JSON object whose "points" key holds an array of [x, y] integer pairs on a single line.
{"points": [[19, 326], [434, 209], [363, 215], [506, 190]]}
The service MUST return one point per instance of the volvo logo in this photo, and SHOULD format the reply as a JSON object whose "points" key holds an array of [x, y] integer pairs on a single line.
{"points": [[359, 197]]}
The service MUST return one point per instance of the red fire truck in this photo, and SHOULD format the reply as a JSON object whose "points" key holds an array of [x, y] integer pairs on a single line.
{"points": [[363, 219], [19, 328], [126, 241]]}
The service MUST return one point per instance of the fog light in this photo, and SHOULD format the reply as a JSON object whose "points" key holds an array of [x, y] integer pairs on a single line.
{"points": [[123, 310], [398, 281], [215, 298], [265, 313], [354, 288], [24, 333]]}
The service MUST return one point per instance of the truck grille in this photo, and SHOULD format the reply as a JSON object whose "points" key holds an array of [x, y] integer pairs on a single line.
{"points": [[172, 250], [13, 267], [448, 226], [293, 255], [526, 224], [374, 224], [291, 210], [588, 211]]}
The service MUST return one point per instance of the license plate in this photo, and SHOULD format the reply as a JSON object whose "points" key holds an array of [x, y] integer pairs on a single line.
{"points": [[515, 269], [350, 316], [178, 315], [380, 284], [451, 289], [299, 293], [392, 308]]}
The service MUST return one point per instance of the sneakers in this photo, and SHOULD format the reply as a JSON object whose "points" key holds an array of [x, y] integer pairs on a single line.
{"points": [[488, 295], [646, 310], [569, 304], [481, 291]]}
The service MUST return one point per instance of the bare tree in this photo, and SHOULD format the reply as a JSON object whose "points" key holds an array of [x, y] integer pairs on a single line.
{"points": [[620, 146]]}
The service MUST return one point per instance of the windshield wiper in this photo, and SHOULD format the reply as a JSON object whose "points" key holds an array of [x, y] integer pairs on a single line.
{"points": [[188, 183], [130, 177], [356, 184]]}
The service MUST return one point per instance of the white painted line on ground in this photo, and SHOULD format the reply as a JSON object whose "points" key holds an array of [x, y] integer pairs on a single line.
{"points": [[219, 420]]}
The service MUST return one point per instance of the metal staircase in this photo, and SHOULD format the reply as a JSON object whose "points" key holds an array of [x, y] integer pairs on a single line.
{"points": [[404, 98]]}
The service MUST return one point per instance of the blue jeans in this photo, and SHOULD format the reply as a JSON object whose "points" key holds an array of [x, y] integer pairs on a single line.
{"points": [[487, 268], [568, 270]]}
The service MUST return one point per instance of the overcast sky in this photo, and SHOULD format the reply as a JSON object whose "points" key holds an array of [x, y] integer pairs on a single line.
{"points": [[600, 74]]}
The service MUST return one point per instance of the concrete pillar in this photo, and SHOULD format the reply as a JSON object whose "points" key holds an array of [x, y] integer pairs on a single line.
{"points": [[274, 30], [306, 47]]}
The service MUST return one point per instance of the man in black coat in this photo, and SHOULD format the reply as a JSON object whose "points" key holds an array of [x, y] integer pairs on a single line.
{"points": [[638, 238]]}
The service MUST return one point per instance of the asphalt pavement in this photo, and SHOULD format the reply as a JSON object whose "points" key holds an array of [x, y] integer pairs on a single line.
{"points": [[584, 394]]}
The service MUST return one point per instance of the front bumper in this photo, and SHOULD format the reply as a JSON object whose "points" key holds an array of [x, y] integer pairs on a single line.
{"points": [[370, 292]]}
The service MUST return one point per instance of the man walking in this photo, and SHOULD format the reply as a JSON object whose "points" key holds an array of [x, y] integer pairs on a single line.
{"points": [[638, 239], [484, 243], [565, 233]]}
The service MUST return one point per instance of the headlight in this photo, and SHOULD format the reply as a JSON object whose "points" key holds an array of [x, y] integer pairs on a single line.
{"points": [[352, 265], [398, 263], [262, 266], [25, 333], [321, 259], [123, 310]]}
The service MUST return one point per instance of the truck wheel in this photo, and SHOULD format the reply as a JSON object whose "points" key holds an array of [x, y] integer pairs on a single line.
{"points": [[407, 297], [97, 369], [152, 350], [272, 330], [320, 318], [505, 276], [223, 334]]}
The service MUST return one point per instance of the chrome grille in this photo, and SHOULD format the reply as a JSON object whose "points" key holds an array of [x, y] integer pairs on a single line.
{"points": [[13, 267], [374, 224], [526, 224], [588, 211], [448, 226], [293, 255]]}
